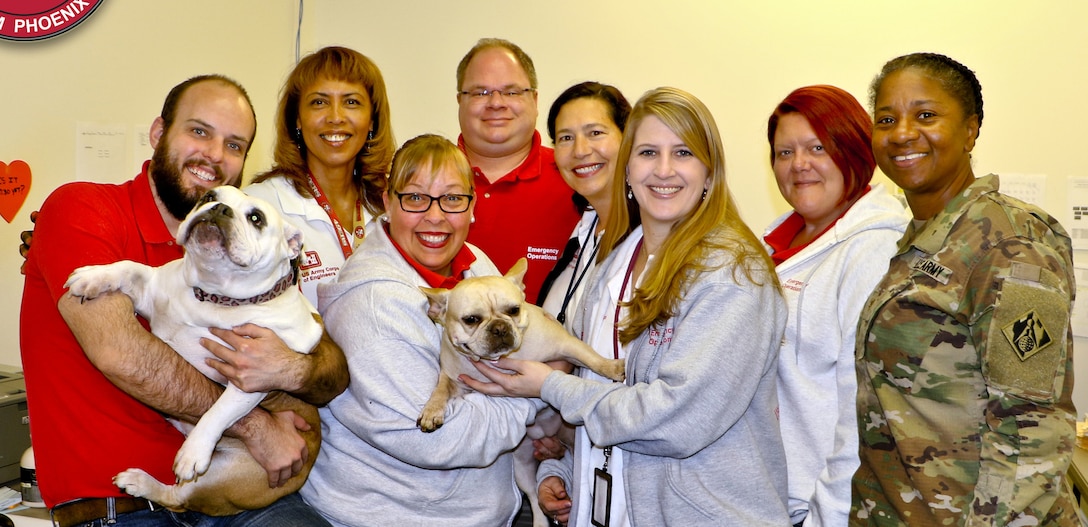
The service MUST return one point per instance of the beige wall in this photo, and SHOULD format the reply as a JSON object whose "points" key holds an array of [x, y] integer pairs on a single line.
{"points": [[116, 68], [740, 57]]}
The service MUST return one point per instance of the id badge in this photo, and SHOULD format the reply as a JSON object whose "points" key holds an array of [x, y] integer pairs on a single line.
{"points": [[602, 498]]}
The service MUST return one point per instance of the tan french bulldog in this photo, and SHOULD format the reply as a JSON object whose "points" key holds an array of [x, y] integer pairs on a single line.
{"points": [[237, 269], [485, 318]]}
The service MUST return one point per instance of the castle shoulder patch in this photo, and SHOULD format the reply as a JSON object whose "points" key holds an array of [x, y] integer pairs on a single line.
{"points": [[1027, 334], [1026, 340]]}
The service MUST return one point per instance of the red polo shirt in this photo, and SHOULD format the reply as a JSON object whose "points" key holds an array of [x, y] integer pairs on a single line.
{"points": [[780, 238], [527, 213], [84, 429]]}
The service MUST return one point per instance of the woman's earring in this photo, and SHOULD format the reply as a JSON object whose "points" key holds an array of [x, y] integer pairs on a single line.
{"points": [[472, 219], [704, 194], [630, 194], [298, 138]]}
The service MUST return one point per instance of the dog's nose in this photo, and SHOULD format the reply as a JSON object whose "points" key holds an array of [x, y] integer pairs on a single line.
{"points": [[222, 210], [499, 330], [501, 336]]}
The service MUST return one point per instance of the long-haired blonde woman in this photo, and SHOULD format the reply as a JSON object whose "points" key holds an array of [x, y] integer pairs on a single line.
{"points": [[690, 299]]}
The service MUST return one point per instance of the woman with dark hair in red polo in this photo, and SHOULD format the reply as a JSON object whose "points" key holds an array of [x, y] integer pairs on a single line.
{"points": [[829, 251]]}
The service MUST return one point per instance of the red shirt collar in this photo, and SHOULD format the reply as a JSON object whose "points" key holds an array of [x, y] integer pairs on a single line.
{"points": [[779, 239], [528, 169], [461, 263]]}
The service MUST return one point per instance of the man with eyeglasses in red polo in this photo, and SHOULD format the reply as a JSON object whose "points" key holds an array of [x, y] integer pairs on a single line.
{"points": [[524, 207]]}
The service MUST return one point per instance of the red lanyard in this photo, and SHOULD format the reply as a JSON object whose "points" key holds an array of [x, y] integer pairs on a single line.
{"points": [[341, 234], [623, 289]]}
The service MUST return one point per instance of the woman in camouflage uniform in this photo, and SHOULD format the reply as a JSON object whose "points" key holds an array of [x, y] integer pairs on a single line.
{"points": [[964, 349]]}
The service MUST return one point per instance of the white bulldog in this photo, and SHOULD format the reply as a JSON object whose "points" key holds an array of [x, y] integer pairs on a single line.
{"points": [[486, 318], [238, 268]]}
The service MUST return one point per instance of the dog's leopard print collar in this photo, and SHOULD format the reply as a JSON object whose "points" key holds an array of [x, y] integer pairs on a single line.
{"points": [[282, 285]]}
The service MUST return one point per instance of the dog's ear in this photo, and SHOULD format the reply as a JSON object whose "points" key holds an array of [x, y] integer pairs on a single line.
{"points": [[516, 274], [436, 297], [294, 239]]}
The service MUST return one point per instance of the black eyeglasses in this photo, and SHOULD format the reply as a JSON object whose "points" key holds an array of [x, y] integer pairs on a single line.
{"points": [[416, 202], [480, 94]]}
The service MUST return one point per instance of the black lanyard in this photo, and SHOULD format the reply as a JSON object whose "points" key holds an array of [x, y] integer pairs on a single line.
{"points": [[576, 277]]}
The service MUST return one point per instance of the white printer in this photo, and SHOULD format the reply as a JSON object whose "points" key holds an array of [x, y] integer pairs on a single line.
{"points": [[14, 423]]}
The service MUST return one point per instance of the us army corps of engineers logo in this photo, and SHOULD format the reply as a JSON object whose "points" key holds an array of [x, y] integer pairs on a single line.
{"points": [[1027, 335]]}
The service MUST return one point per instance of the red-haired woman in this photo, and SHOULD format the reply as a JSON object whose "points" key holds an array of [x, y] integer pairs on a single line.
{"points": [[829, 251]]}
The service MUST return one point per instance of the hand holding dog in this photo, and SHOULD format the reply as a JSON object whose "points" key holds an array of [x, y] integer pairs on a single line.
{"points": [[548, 448], [526, 379], [256, 359], [26, 238], [554, 500], [274, 442]]}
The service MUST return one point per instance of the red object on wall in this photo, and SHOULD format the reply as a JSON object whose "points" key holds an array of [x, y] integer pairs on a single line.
{"points": [[14, 187]]}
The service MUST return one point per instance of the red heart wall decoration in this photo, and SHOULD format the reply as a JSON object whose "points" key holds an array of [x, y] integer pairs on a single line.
{"points": [[14, 187]]}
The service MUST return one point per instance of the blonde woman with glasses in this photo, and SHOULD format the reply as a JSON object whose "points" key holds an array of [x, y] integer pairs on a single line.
{"points": [[376, 467]]}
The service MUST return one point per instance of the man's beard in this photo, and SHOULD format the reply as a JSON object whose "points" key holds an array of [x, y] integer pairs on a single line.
{"points": [[165, 171]]}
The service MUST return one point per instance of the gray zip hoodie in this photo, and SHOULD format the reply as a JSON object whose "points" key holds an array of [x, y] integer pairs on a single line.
{"points": [[696, 418], [376, 468], [826, 284]]}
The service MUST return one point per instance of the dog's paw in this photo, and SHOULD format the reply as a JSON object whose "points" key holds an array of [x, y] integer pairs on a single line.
{"points": [[191, 461], [135, 482], [431, 419], [614, 369], [91, 281]]}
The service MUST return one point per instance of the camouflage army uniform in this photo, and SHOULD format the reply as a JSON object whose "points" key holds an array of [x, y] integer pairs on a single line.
{"points": [[965, 372]]}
